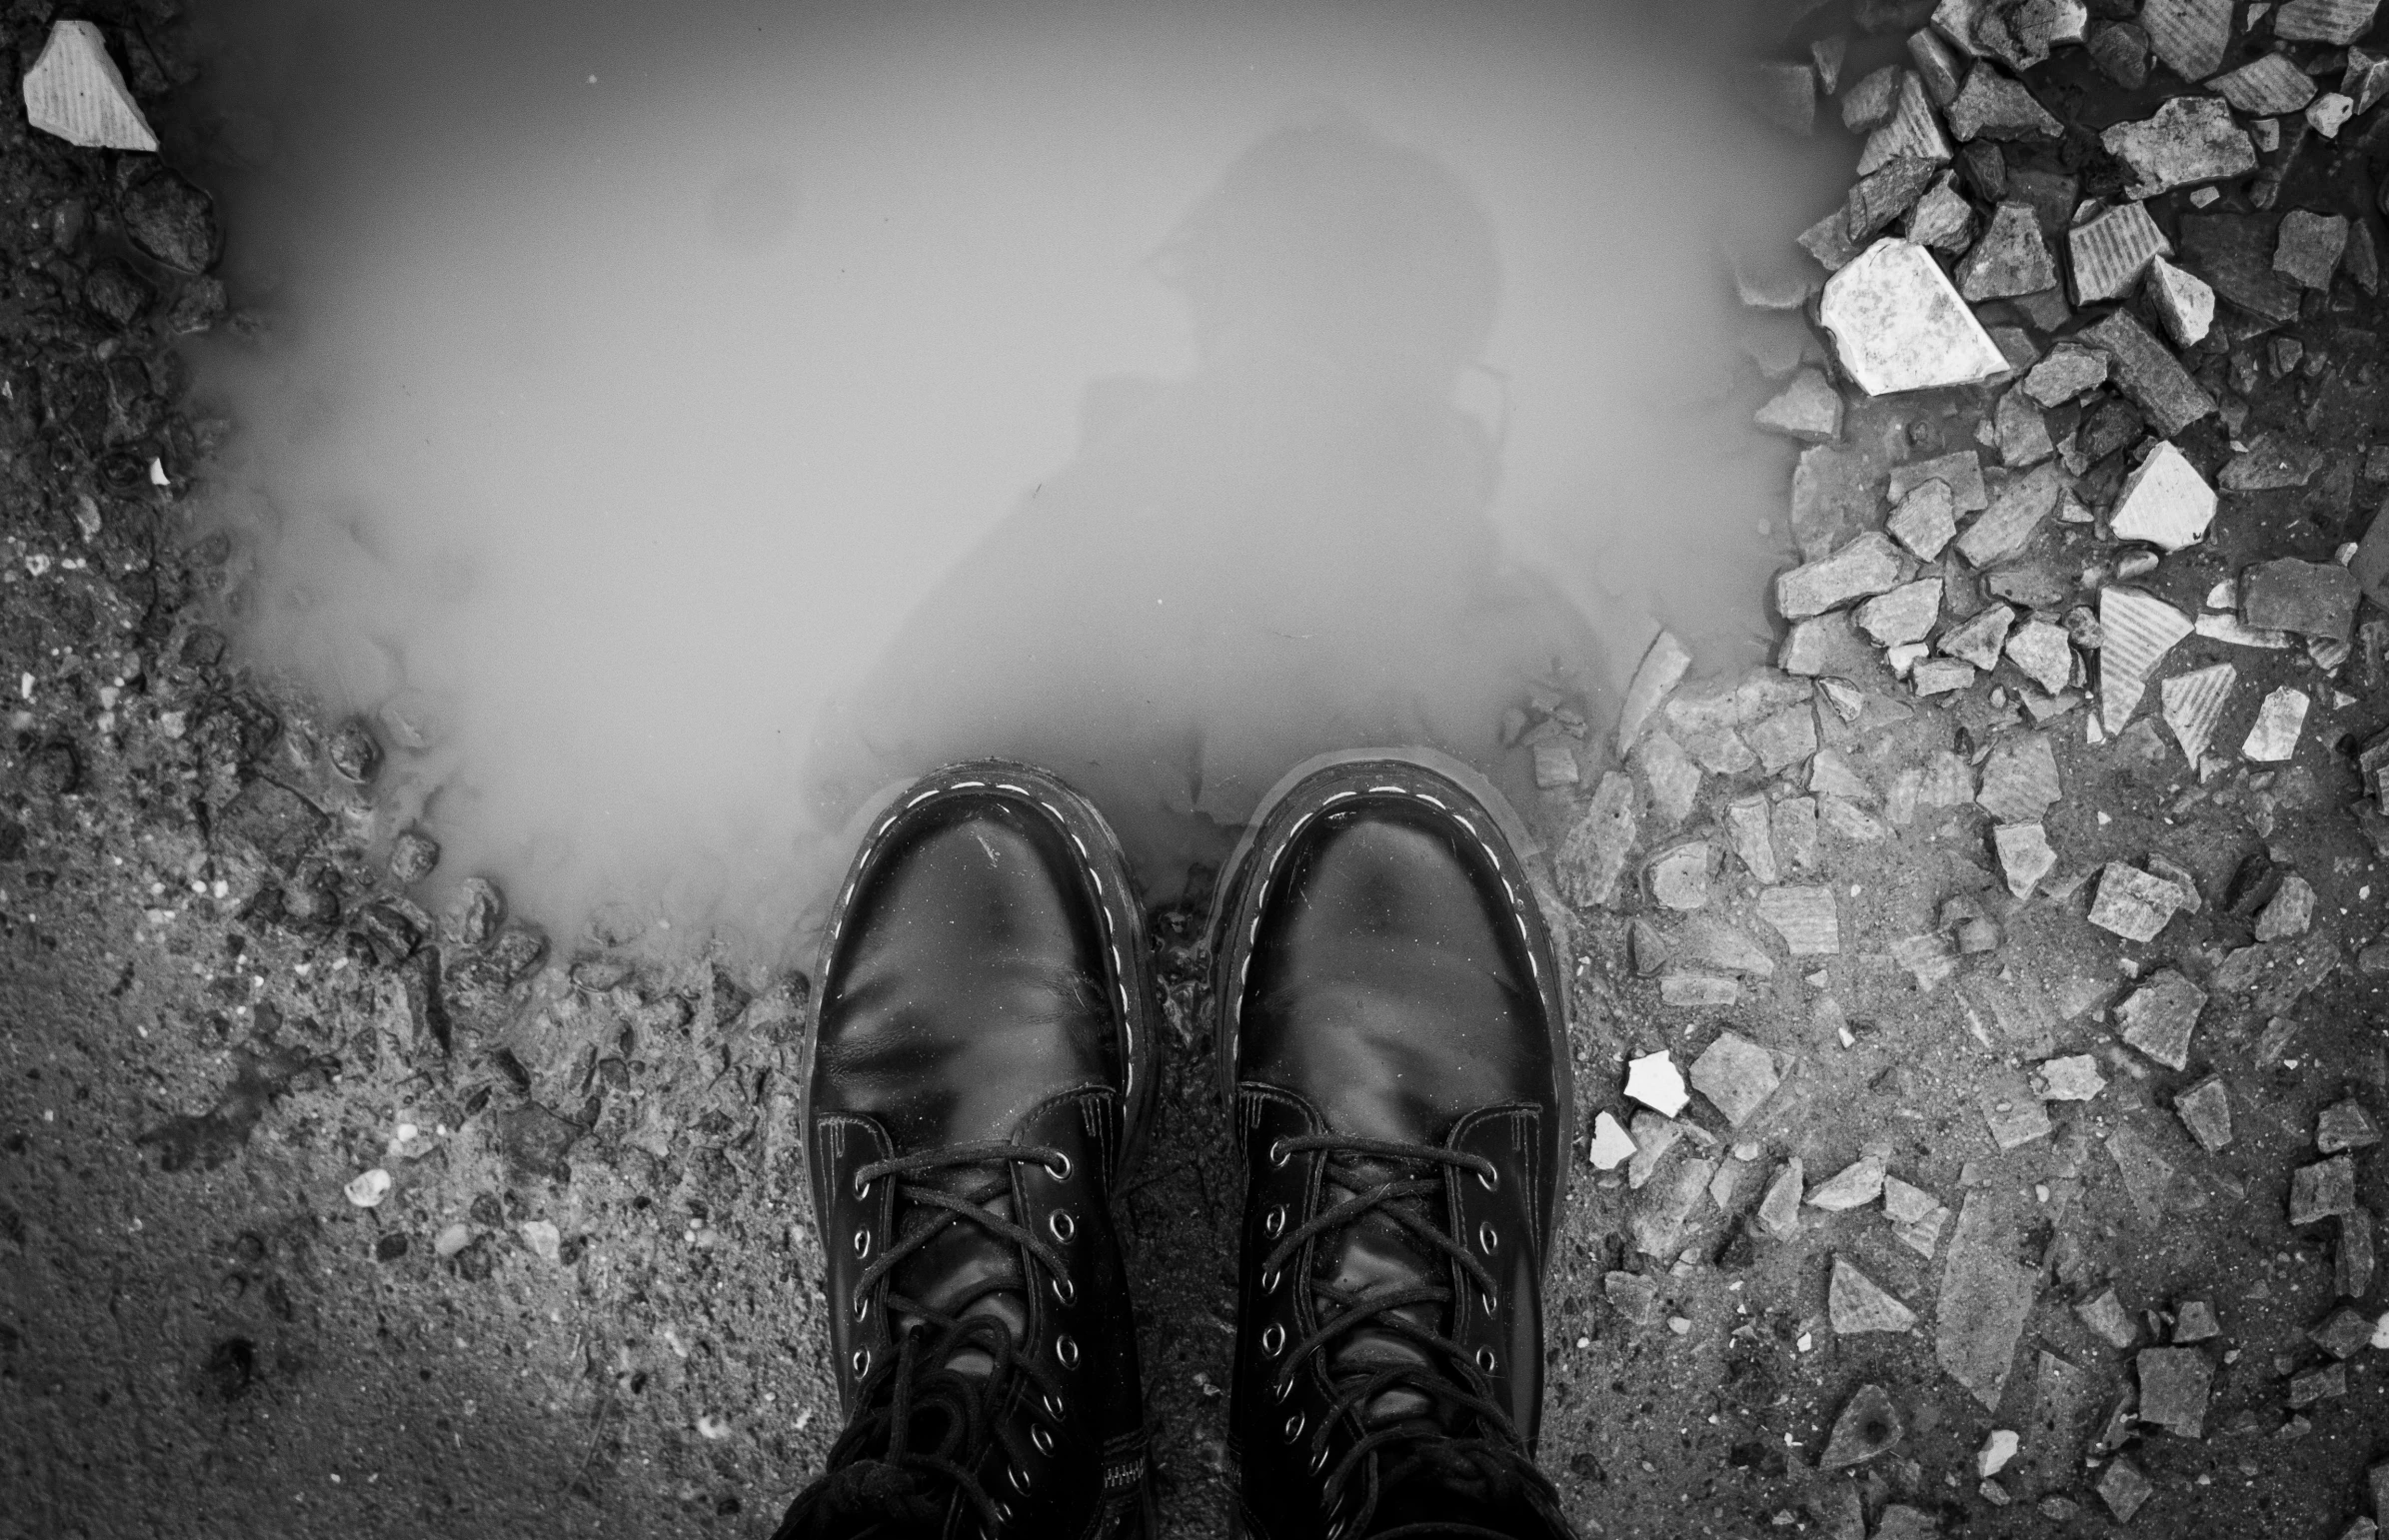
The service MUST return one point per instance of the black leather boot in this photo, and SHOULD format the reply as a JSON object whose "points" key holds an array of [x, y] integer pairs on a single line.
{"points": [[1393, 1039], [980, 1070]]}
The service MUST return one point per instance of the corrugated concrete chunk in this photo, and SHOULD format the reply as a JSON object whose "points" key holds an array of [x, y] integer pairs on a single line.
{"points": [[2189, 36], [2265, 87], [75, 91]]}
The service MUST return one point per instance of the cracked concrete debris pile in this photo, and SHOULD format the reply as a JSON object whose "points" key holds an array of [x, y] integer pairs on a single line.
{"points": [[2044, 858]]}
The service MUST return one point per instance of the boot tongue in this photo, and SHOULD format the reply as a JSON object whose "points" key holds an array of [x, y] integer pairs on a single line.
{"points": [[1375, 1254], [966, 1271]]}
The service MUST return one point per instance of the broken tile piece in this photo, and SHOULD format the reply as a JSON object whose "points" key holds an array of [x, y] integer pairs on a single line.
{"points": [[1804, 917], [1795, 832], [2195, 1322], [2164, 502], [1653, 1138], [2313, 599], [1679, 877], [2019, 780], [2311, 244], [2352, 1260], [2184, 301], [2194, 705], [1655, 1081], [2272, 460], [2205, 1109], [2136, 630], [2025, 856], [1912, 133], [1857, 1303], [1866, 565], [1592, 859], [1809, 409], [2112, 251], [2015, 1123], [1906, 613], [2174, 1382], [1611, 1146], [2187, 141], [2189, 36], [1905, 1204], [1987, 1297], [1868, 1425], [75, 92], [1747, 821], [1736, 1075], [1673, 778], [2124, 1489], [1979, 638], [2160, 1015], [1656, 677], [1779, 1209], [2010, 259], [1992, 106], [2290, 911], [2265, 87], [2133, 905], [2150, 375], [2345, 1334], [2069, 371], [2321, 1190], [2015, 511], [1854, 1185], [2157, 1187], [1897, 325], [2346, 1125], [2076, 1078], [2279, 720], [2108, 1320], [2324, 21]]}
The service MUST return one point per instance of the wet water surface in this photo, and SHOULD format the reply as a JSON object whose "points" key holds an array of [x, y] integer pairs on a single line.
{"points": [[668, 426]]}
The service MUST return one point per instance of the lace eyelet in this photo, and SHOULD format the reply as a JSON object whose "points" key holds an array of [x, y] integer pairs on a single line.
{"points": [[1490, 1181], [1062, 1225], [1282, 1390], [1058, 1168], [1318, 1462], [1272, 1340], [1065, 1351], [1486, 1361], [1492, 1305], [860, 1362], [1487, 1239], [1277, 1154], [1273, 1224], [1294, 1427], [1269, 1280], [1056, 1407], [862, 1243], [1003, 1512], [1020, 1479], [862, 1188], [862, 1307], [1065, 1291], [1042, 1438]]}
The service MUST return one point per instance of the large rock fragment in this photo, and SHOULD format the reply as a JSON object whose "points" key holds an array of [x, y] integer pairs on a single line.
{"points": [[2311, 245], [2010, 259], [2322, 1191], [1868, 1426], [2313, 599], [2189, 140], [1899, 326], [1994, 107], [75, 91], [168, 218], [2234, 253], [2007, 526], [2164, 502], [2184, 301], [1593, 856], [2150, 375], [2279, 722], [2019, 780], [2133, 905], [1866, 565], [2324, 21], [1736, 1075], [1986, 1296], [2160, 1015], [2173, 1388]]}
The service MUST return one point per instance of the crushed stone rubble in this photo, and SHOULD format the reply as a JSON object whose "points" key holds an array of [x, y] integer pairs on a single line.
{"points": [[2072, 769]]}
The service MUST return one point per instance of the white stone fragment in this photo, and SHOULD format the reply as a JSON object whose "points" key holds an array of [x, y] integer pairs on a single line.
{"points": [[1612, 1145], [2184, 301], [368, 1188], [1899, 326], [2164, 502], [1655, 1081], [75, 92], [1996, 1451], [2278, 723]]}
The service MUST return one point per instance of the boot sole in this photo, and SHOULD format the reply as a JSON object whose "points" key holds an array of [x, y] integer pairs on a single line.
{"points": [[1409, 771]]}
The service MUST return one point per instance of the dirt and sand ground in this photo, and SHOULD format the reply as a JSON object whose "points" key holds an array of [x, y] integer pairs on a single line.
{"points": [[587, 1302]]}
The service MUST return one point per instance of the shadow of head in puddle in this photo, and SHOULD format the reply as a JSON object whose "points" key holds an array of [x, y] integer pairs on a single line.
{"points": [[1290, 551]]}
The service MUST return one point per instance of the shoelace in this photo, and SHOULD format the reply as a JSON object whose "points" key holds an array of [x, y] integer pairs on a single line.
{"points": [[1492, 1459], [883, 1475]]}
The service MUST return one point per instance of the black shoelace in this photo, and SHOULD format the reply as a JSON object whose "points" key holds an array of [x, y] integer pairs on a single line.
{"points": [[1464, 1441], [921, 1426]]}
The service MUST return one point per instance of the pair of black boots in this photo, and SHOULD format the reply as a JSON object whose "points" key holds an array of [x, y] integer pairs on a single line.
{"points": [[981, 1073]]}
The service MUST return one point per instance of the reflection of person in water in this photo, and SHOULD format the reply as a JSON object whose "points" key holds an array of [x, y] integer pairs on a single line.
{"points": [[1286, 552]]}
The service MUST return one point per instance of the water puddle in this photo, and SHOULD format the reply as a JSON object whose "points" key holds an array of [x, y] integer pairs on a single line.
{"points": [[666, 426]]}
